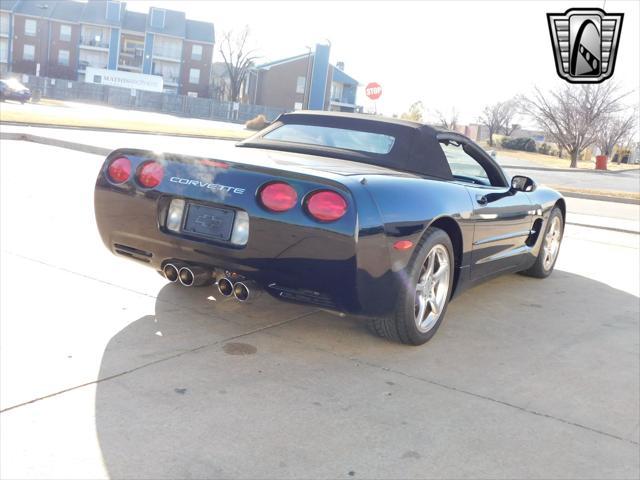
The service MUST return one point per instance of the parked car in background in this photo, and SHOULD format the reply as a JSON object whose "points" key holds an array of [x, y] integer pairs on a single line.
{"points": [[11, 89]]}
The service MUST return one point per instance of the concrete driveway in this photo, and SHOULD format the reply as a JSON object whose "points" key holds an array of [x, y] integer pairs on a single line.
{"points": [[108, 371]]}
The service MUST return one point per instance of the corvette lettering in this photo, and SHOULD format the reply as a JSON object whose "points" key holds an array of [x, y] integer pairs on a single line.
{"points": [[211, 186]]}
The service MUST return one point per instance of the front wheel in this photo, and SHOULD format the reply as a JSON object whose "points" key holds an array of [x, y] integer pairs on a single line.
{"points": [[421, 306], [550, 248]]}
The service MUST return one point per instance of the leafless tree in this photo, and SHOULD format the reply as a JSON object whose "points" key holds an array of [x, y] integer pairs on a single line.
{"points": [[238, 60], [573, 115], [509, 113], [449, 122], [415, 113], [493, 118], [615, 131]]}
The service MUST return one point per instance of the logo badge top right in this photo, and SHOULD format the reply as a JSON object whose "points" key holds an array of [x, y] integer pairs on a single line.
{"points": [[585, 43]]}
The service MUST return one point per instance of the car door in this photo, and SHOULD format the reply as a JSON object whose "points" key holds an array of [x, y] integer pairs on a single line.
{"points": [[502, 216]]}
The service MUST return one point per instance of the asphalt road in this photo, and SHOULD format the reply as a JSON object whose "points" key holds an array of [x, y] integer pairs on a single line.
{"points": [[109, 371], [625, 181]]}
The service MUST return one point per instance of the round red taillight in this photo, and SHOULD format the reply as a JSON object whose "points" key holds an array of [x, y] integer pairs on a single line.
{"points": [[150, 174], [326, 206], [119, 170], [278, 197]]}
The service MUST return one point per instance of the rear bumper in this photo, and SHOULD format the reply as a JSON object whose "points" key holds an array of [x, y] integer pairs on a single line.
{"points": [[300, 263]]}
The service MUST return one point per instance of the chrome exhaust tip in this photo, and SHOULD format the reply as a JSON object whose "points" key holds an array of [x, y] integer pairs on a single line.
{"points": [[241, 292], [170, 272], [225, 287], [185, 275], [194, 276]]}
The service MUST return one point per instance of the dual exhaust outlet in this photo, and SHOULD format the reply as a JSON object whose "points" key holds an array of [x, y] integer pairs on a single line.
{"points": [[195, 276]]}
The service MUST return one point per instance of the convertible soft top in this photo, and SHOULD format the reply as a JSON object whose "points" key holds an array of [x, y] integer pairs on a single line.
{"points": [[416, 148]]}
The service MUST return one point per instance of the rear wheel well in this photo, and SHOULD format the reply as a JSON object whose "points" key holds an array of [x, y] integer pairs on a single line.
{"points": [[562, 205], [451, 227]]}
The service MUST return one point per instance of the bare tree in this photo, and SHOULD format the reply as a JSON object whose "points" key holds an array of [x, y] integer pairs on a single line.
{"points": [[616, 130], [574, 114], [415, 113], [237, 59], [492, 118], [449, 122], [509, 114]]}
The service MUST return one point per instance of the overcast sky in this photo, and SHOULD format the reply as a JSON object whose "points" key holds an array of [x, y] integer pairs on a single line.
{"points": [[449, 54]]}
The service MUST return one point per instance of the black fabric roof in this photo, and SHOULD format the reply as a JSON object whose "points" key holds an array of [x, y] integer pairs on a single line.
{"points": [[416, 148]]}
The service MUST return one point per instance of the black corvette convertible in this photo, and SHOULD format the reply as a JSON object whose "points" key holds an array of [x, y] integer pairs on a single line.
{"points": [[378, 217]]}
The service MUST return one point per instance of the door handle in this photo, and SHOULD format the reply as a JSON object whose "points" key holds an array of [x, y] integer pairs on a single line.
{"points": [[481, 199]]}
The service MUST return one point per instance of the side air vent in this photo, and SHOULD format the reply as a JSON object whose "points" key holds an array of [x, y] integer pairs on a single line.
{"points": [[535, 233], [132, 252]]}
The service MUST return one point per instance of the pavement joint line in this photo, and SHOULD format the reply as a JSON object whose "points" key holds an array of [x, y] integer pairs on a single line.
{"points": [[278, 324], [160, 360], [602, 227], [456, 389]]}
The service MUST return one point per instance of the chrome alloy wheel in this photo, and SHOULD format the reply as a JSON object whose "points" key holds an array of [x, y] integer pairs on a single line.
{"points": [[433, 288], [551, 244]]}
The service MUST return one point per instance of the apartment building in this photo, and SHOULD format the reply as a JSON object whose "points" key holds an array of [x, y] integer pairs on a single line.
{"points": [[62, 38], [306, 81]]}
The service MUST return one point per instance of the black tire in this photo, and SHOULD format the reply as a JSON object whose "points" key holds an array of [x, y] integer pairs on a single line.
{"points": [[401, 326], [538, 269]]}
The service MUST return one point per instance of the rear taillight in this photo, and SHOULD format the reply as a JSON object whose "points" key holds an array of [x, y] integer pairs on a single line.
{"points": [[119, 170], [326, 206], [150, 174], [278, 197]]}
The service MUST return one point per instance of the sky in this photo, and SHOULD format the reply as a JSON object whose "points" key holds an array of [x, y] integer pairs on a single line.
{"points": [[460, 55]]}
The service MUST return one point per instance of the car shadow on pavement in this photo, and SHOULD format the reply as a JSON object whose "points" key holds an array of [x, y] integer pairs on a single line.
{"points": [[208, 387]]}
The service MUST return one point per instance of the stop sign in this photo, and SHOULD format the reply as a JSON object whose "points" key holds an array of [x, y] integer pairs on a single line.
{"points": [[373, 90]]}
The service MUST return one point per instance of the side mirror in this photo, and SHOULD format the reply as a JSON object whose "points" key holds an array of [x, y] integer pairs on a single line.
{"points": [[520, 183]]}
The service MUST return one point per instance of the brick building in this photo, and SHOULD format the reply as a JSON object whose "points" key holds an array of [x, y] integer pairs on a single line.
{"points": [[306, 81], [61, 38]]}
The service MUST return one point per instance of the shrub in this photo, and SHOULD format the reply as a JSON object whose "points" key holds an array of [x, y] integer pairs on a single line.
{"points": [[522, 143], [257, 123], [545, 148]]}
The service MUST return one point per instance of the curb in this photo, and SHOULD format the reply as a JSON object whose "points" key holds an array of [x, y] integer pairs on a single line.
{"points": [[602, 198], [119, 130], [54, 142], [81, 147], [568, 170]]}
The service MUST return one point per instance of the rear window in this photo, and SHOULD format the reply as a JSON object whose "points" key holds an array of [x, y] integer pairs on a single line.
{"points": [[333, 137]]}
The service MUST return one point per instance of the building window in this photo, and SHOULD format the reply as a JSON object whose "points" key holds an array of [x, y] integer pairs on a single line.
{"points": [[65, 33], [28, 52], [196, 52], [297, 105], [4, 50], [30, 27], [167, 47], [301, 84], [63, 57], [4, 23], [194, 76], [336, 91], [157, 17]]}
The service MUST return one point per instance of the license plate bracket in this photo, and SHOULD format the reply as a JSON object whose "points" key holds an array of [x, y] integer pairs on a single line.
{"points": [[210, 222]]}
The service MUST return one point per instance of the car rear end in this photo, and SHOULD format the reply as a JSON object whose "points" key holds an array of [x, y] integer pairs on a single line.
{"points": [[290, 232]]}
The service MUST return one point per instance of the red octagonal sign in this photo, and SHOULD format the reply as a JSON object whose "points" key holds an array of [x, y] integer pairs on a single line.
{"points": [[373, 90]]}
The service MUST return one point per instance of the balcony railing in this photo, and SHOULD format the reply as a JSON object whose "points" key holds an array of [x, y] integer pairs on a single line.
{"points": [[135, 62], [167, 54], [92, 42], [82, 65]]}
